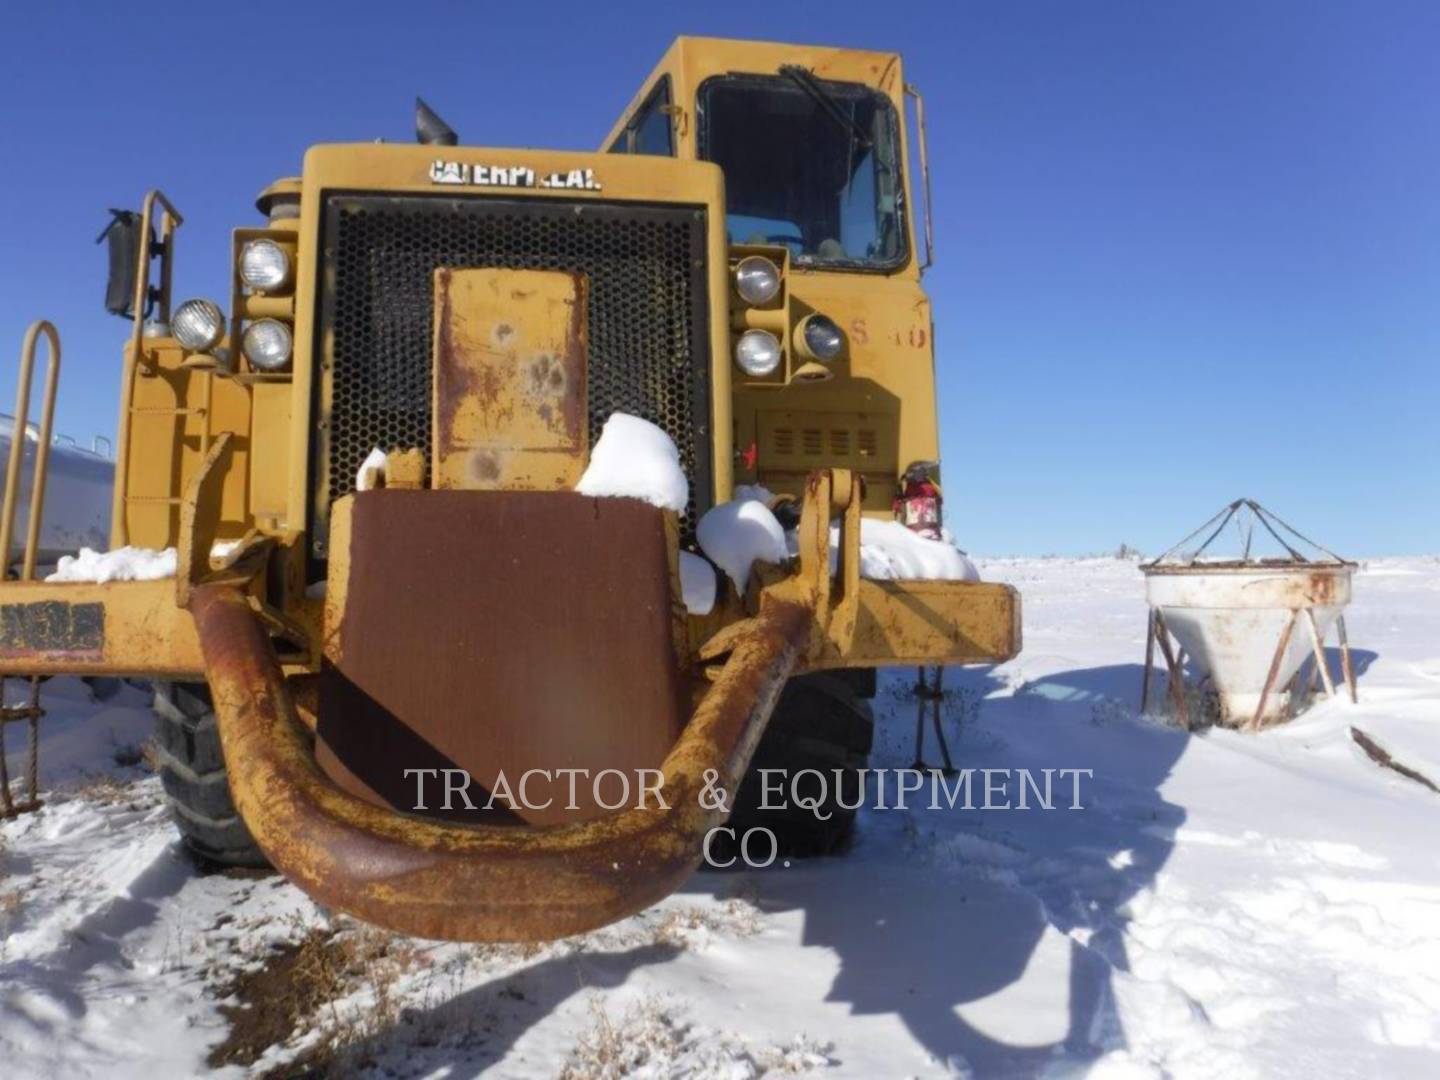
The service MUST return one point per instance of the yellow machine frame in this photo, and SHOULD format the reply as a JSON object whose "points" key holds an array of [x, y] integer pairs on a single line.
{"points": [[214, 459]]}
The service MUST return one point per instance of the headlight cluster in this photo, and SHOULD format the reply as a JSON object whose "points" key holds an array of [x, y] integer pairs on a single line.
{"points": [[759, 352], [268, 344], [757, 281], [266, 267]]}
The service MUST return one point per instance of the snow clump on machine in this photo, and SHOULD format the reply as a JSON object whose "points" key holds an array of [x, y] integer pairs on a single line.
{"points": [[891, 552], [633, 458], [122, 564], [372, 471], [739, 533], [697, 584]]}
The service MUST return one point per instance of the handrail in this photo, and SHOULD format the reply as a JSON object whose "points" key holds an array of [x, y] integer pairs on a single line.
{"points": [[42, 449], [170, 220], [914, 92]]}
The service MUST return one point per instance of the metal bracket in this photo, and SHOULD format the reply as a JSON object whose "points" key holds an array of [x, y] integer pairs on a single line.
{"points": [[826, 491], [200, 519]]}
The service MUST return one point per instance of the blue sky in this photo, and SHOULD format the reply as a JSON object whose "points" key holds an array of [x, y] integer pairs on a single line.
{"points": [[1187, 251]]}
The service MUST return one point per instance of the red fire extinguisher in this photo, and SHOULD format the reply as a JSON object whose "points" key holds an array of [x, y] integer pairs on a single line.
{"points": [[917, 502]]}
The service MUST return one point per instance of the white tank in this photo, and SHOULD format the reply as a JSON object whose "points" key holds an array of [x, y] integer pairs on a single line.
{"points": [[1247, 624], [77, 495]]}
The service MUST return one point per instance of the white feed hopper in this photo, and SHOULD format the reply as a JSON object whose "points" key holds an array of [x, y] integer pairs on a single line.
{"points": [[78, 488], [1247, 623]]}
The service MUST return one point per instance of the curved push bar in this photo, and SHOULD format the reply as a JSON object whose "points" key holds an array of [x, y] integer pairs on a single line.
{"points": [[465, 883]]}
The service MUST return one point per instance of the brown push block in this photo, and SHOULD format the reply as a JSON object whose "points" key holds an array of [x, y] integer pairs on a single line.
{"points": [[497, 632]]}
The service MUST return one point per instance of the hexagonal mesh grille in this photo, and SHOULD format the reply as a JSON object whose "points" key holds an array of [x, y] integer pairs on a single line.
{"points": [[648, 326]]}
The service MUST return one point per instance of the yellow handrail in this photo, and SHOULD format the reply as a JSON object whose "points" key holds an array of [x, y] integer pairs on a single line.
{"points": [[170, 220], [42, 451]]}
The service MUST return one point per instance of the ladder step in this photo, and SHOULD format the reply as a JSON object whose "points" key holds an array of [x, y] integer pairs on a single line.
{"points": [[169, 500], [162, 410]]}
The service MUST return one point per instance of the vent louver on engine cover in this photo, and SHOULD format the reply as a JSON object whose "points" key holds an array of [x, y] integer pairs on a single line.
{"points": [[648, 321]]}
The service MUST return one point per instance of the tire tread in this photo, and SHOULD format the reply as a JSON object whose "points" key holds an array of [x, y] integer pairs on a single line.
{"points": [[192, 772]]}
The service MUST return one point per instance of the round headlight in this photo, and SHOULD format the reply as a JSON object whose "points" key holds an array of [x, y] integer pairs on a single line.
{"points": [[198, 324], [264, 265], [756, 279], [757, 352], [823, 339], [267, 344]]}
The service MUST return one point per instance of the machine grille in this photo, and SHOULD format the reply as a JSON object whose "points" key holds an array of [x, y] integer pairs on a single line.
{"points": [[648, 323]]}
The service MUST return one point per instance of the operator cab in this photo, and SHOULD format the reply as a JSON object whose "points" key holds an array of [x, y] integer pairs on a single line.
{"points": [[810, 141]]}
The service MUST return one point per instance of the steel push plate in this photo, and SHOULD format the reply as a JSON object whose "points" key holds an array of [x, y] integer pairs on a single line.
{"points": [[509, 361]]}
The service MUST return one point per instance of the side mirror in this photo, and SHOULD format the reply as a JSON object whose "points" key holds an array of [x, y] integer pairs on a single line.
{"points": [[913, 93], [125, 245]]}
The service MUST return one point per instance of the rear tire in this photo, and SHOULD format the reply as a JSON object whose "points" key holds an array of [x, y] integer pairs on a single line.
{"points": [[821, 723], [192, 770]]}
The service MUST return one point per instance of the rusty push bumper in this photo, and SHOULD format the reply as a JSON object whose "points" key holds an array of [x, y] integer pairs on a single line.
{"points": [[536, 880], [486, 883]]}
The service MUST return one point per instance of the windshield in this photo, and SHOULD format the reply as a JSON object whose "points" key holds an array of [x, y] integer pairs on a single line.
{"points": [[808, 164]]}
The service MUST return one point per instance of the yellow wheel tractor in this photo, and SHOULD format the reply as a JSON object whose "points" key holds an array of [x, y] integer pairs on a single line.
{"points": [[469, 702]]}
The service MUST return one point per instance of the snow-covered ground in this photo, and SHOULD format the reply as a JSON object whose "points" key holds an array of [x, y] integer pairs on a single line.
{"points": [[1223, 905]]}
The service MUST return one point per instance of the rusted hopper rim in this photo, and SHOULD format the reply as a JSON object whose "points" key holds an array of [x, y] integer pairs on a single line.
{"points": [[1276, 567], [437, 880]]}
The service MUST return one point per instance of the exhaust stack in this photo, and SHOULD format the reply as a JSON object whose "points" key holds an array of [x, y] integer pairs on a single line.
{"points": [[430, 130]]}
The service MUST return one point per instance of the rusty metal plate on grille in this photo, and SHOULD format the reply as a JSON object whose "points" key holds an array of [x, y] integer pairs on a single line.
{"points": [[648, 320], [509, 380], [497, 632]]}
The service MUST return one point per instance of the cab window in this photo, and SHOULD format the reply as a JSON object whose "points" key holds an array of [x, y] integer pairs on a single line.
{"points": [[811, 164], [649, 130]]}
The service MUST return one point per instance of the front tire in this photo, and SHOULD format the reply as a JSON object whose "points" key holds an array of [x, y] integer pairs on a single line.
{"points": [[821, 723], [192, 770]]}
